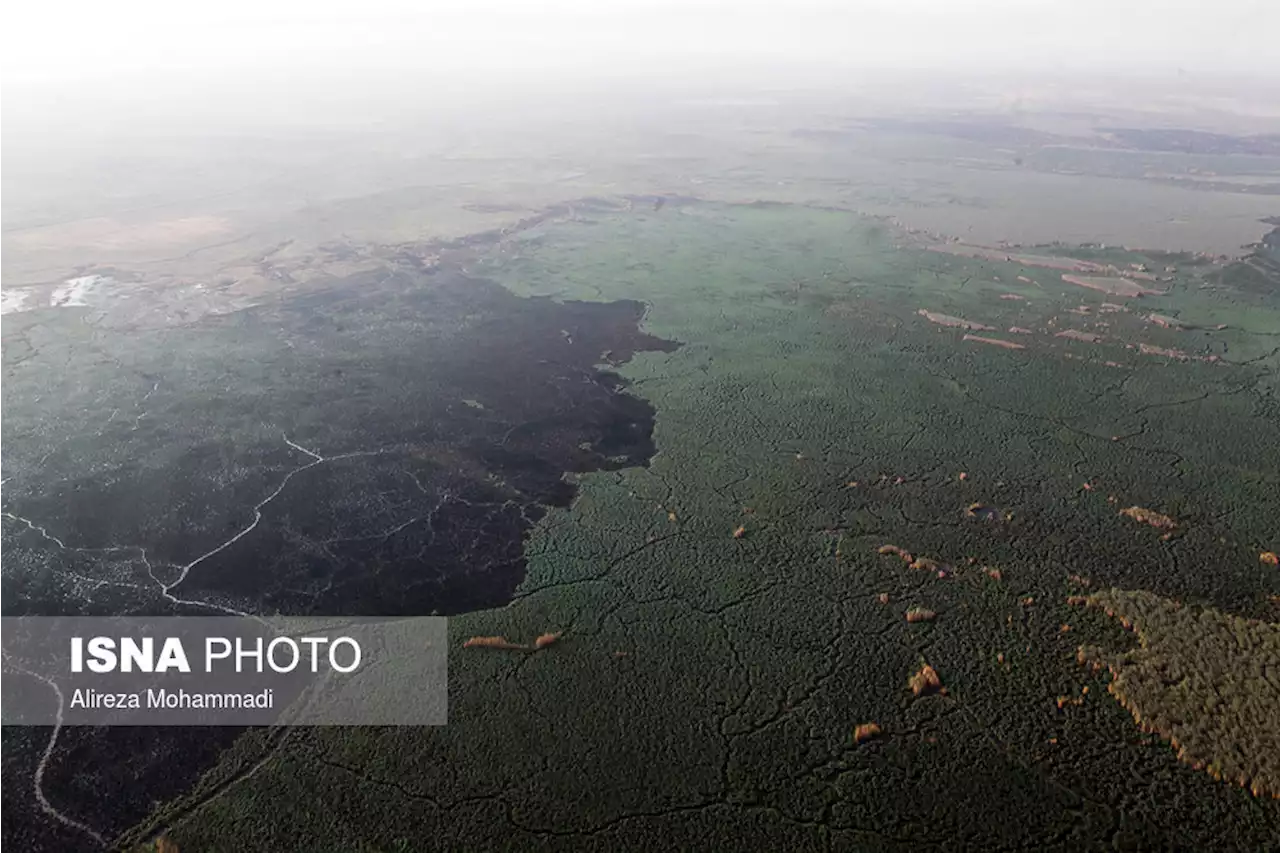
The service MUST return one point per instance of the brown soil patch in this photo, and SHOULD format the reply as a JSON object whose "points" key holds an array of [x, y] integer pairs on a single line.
{"points": [[1167, 322], [1113, 285], [503, 643], [545, 640], [493, 643], [929, 564], [954, 322], [1149, 349], [1077, 335], [895, 551], [865, 732], [926, 681], [995, 342], [996, 254], [113, 235], [1149, 516]]}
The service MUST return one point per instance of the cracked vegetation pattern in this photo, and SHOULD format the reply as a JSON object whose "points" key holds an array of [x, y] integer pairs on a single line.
{"points": [[1206, 681], [706, 689]]}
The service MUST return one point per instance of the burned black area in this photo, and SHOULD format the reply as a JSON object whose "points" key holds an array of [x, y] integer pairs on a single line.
{"points": [[416, 422], [489, 403]]}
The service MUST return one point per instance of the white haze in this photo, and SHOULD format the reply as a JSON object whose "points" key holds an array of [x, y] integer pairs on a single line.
{"points": [[149, 48], [97, 93]]}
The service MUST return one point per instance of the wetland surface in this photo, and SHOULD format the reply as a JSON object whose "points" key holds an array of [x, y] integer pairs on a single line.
{"points": [[682, 435]]}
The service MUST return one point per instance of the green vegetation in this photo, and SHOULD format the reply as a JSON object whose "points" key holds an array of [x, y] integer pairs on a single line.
{"points": [[706, 684]]}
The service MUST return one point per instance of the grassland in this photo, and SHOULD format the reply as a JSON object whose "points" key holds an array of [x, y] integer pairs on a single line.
{"points": [[728, 621]]}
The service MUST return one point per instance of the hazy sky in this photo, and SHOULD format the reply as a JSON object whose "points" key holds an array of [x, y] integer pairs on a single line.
{"points": [[94, 41]]}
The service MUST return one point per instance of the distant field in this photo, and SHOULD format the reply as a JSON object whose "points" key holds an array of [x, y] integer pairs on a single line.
{"points": [[177, 208]]}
